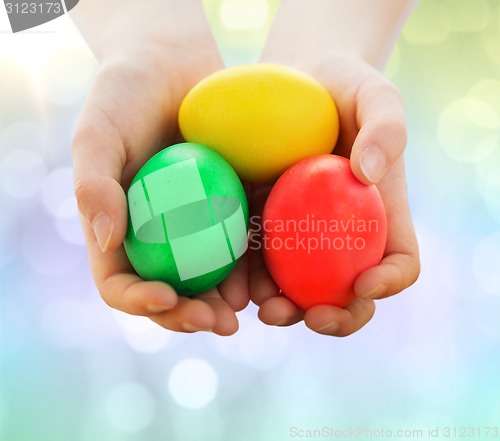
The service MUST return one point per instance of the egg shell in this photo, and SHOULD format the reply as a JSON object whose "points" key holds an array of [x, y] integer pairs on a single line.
{"points": [[322, 228], [261, 117], [188, 218]]}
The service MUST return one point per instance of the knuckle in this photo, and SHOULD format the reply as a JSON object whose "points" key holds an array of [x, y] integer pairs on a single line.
{"points": [[393, 121], [82, 191], [416, 270], [106, 298], [393, 124], [81, 188], [109, 287], [396, 123], [409, 271], [385, 87]]}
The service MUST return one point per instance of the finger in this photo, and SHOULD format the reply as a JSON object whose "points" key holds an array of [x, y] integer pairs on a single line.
{"points": [[234, 289], [280, 311], [226, 322], [111, 124], [395, 273], [119, 285], [340, 322], [261, 284], [400, 267], [98, 160], [190, 315], [117, 132], [103, 207], [128, 292], [203, 312], [382, 135]]}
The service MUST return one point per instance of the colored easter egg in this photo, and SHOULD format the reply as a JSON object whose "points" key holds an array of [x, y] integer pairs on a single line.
{"points": [[322, 228], [188, 218], [261, 118]]}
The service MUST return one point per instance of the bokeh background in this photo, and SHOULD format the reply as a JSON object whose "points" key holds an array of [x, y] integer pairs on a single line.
{"points": [[73, 369]]}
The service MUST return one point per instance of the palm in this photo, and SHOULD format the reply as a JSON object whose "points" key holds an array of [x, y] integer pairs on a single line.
{"points": [[131, 113], [357, 90]]}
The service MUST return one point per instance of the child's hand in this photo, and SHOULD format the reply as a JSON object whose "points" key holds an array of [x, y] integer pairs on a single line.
{"points": [[130, 114], [373, 135]]}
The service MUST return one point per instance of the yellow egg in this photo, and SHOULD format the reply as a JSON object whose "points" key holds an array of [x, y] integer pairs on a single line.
{"points": [[261, 118]]}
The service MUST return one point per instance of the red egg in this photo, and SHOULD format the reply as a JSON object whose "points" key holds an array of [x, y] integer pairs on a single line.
{"points": [[322, 228]]}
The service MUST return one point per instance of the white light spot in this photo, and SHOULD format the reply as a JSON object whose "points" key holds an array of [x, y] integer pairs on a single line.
{"points": [[44, 250], [141, 333], [70, 229], [31, 49], [468, 130], [193, 383], [66, 82], [488, 91], [244, 14], [59, 201], [57, 189], [131, 407]]}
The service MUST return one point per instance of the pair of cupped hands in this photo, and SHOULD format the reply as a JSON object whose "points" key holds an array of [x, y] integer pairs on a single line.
{"points": [[131, 113]]}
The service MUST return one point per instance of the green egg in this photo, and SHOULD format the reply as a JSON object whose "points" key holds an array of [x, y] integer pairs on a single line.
{"points": [[188, 219]]}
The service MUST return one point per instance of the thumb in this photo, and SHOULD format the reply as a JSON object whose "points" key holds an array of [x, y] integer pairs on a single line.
{"points": [[98, 161], [128, 106], [382, 136]]}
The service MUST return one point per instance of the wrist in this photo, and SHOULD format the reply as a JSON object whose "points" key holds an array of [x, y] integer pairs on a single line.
{"points": [[365, 28], [117, 27]]}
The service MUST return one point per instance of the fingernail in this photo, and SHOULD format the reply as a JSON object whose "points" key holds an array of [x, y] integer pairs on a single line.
{"points": [[373, 163], [157, 309], [330, 327], [376, 292], [188, 327], [103, 229]]}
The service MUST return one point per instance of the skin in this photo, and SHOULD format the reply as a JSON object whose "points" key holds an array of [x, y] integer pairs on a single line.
{"points": [[131, 113], [336, 45]]}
